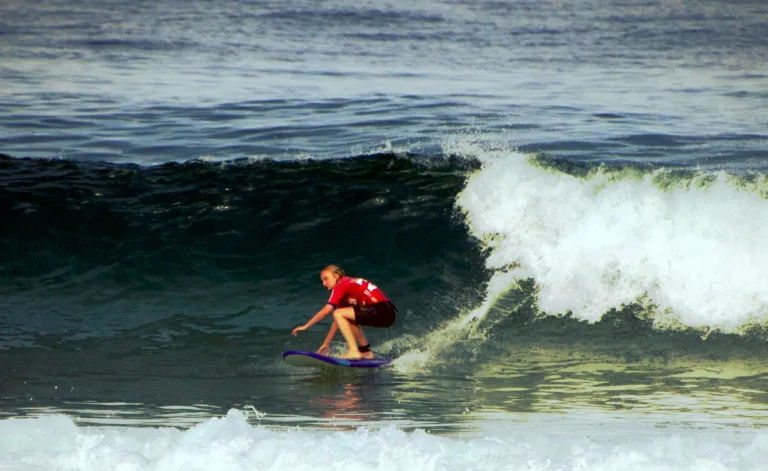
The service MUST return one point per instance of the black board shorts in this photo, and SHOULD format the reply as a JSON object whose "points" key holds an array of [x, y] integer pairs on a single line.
{"points": [[376, 315]]}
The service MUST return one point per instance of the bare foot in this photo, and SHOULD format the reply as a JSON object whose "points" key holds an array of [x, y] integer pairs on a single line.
{"points": [[367, 355], [351, 355]]}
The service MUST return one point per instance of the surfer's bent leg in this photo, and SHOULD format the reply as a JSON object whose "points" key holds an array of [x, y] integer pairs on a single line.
{"points": [[343, 316], [358, 333], [350, 320], [362, 343]]}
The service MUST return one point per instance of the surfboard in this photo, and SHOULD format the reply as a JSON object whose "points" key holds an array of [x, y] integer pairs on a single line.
{"points": [[302, 358]]}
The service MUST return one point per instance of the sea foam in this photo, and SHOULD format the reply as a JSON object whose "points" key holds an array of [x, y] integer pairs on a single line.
{"points": [[231, 443], [695, 249]]}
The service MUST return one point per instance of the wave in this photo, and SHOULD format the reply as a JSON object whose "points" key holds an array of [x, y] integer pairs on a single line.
{"points": [[470, 241]]}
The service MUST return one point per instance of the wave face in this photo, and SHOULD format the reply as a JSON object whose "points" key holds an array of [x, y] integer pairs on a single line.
{"points": [[95, 249]]}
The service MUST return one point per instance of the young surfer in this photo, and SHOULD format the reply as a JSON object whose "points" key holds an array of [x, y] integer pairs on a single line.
{"points": [[354, 302]]}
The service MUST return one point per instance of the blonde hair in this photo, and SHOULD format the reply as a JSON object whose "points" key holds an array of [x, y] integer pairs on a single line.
{"points": [[335, 270]]}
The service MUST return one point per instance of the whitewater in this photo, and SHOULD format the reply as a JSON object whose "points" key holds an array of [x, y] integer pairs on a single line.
{"points": [[692, 245], [232, 443]]}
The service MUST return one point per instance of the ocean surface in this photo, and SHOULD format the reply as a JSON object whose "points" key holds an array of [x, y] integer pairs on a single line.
{"points": [[567, 200]]}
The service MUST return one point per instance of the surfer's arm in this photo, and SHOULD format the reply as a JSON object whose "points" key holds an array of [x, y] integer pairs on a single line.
{"points": [[321, 314], [326, 345]]}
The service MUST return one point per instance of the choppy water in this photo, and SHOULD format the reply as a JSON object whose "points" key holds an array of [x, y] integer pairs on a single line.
{"points": [[567, 200]]}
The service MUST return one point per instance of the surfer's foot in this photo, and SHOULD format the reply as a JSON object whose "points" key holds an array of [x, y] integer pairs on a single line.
{"points": [[351, 355], [365, 351], [357, 356]]}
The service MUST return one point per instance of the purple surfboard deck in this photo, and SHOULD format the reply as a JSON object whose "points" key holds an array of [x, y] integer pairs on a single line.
{"points": [[302, 358]]}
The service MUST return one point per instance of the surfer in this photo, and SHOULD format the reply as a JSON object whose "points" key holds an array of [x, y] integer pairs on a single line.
{"points": [[354, 303]]}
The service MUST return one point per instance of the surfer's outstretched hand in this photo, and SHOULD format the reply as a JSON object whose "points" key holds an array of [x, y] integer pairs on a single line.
{"points": [[323, 350], [298, 329]]}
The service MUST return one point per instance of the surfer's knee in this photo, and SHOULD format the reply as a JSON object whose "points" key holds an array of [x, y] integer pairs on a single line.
{"points": [[337, 315], [346, 313]]}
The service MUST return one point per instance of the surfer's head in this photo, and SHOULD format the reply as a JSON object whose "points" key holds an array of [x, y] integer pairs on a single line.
{"points": [[330, 275]]}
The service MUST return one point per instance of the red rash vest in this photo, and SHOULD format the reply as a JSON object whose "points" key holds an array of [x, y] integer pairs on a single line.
{"points": [[355, 292]]}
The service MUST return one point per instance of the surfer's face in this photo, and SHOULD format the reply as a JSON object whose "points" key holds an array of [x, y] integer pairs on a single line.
{"points": [[328, 279]]}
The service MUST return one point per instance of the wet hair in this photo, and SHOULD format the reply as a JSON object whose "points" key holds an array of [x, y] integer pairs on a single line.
{"points": [[335, 270]]}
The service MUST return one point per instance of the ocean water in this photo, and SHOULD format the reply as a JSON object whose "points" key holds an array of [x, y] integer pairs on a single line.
{"points": [[566, 200]]}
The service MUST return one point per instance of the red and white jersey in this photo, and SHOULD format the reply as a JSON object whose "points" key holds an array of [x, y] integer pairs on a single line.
{"points": [[355, 292]]}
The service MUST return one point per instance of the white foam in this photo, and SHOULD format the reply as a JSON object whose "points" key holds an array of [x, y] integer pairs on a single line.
{"points": [[232, 444], [698, 253], [420, 357]]}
